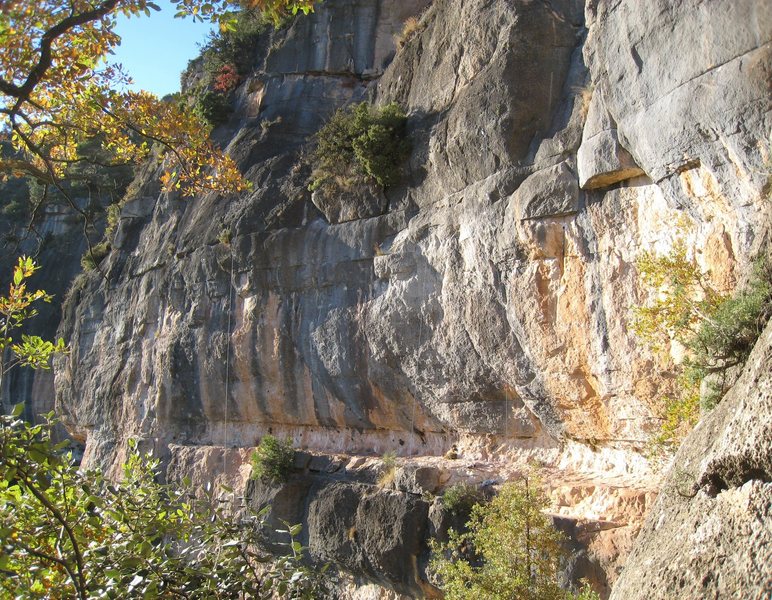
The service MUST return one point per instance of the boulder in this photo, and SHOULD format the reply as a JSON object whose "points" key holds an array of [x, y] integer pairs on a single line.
{"points": [[359, 201], [551, 192], [418, 480], [709, 533], [367, 531], [601, 159]]}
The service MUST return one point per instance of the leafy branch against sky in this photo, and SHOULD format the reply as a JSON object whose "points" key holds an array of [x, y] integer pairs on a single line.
{"points": [[58, 90]]}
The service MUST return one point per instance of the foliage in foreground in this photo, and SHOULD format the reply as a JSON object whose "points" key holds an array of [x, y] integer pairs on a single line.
{"points": [[509, 551], [358, 144], [58, 90], [272, 460], [718, 331], [68, 533], [15, 308]]}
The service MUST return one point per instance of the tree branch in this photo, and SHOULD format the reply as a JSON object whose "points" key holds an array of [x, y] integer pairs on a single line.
{"points": [[80, 580], [13, 165], [44, 556], [22, 93]]}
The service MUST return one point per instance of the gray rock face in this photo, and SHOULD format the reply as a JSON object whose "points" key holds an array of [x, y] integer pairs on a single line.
{"points": [[417, 480], [381, 535], [602, 161], [361, 202], [709, 534], [366, 531], [687, 84], [483, 80], [490, 299], [551, 192], [485, 301]]}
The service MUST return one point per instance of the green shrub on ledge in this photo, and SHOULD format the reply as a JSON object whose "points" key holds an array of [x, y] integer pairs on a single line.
{"points": [[213, 107], [91, 259], [272, 460], [726, 337], [359, 144], [461, 497]]}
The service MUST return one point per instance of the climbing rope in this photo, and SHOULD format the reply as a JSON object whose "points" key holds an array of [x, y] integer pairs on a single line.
{"points": [[227, 362], [506, 411], [227, 386], [420, 342]]}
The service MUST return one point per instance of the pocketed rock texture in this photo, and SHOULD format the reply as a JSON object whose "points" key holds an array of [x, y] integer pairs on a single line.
{"points": [[709, 534], [485, 301]]}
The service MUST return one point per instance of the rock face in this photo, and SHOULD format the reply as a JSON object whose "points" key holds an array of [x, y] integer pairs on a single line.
{"points": [[709, 534], [485, 301], [602, 161]]}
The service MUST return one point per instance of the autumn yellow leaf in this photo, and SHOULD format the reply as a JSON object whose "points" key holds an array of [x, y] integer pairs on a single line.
{"points": [[57, 90]]}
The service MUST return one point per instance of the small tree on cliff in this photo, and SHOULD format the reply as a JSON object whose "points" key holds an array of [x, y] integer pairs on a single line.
{"points": [[717, 331], [15, 308], [509, 551]]}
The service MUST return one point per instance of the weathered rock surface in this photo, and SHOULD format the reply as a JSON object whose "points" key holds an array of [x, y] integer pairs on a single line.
{"points": [[688, 85], [361, 202], [56, 243], [709, 534], [602, 161], [372, 532], [485, 301]]}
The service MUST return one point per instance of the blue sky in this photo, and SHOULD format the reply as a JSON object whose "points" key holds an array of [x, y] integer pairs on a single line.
{"points": [[155, 50]]}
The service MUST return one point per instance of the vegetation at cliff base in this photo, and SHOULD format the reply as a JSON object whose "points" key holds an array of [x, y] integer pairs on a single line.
{"points": [[716, 330], [72, 533], [360, 144], [509, 551], [387, 470]]}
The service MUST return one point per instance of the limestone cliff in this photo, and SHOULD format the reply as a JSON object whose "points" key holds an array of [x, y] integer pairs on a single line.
{"points": [[483, 302]]}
